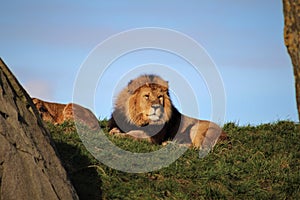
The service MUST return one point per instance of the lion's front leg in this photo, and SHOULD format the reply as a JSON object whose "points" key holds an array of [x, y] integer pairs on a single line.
{"points": [[205, 135], [133, 134], [115, 131]]}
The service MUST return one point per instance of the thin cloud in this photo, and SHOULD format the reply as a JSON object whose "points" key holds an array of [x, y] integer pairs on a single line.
{"points": [[40, 89]]}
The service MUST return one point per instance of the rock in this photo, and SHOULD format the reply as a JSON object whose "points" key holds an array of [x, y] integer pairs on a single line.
{"points": [[29, 165], [291, 11]]}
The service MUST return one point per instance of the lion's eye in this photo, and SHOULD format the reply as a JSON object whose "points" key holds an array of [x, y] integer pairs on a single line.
{"points": [[146, 96], [160, 97], [42, 109]]}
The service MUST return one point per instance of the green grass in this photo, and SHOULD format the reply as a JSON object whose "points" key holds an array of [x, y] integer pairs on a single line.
{"points": [[261, 162]]}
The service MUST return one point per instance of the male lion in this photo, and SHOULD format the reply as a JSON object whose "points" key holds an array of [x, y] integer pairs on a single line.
{"points": [[57, 113], [143, 110]]}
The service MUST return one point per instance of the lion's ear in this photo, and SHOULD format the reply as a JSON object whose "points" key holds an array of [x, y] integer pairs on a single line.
{"points": [[165, 86], [132, 86], [165, 89]]}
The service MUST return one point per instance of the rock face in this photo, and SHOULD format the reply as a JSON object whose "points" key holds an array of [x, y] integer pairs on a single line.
{"points": [[291, 10], [29, 166]]}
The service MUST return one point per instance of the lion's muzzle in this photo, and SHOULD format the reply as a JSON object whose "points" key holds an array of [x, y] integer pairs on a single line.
{"points": [[155, 112]]}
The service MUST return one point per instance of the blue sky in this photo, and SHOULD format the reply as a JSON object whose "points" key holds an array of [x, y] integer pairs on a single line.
{"points": [[45, 44]]}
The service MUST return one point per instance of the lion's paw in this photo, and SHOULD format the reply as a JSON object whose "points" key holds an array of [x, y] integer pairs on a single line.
{"points": [[114, 131]]}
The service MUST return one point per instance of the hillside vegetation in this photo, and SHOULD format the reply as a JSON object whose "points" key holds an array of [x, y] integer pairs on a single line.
{"points": [[261, 162]]}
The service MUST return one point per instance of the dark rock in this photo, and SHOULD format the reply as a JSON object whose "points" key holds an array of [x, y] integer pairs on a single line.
{"points": [[29, 165], [291, 11]]}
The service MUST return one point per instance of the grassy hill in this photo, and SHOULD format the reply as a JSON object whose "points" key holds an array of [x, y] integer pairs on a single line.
{"points": [[261, 162]]}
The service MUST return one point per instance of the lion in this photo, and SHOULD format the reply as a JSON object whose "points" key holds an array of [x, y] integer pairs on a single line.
{"points": [[144, 110], [57, 113]]}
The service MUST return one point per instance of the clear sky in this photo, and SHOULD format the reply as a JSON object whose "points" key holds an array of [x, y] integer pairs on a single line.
{"points": [[45, 43]]}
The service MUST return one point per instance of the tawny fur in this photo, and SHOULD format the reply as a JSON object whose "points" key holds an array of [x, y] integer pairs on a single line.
{"points": [[131, 116], [57, 113]]}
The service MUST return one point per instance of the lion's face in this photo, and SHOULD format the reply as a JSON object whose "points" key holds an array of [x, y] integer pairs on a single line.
{"points": [[48, 111], [40, 106], [149, 105]]}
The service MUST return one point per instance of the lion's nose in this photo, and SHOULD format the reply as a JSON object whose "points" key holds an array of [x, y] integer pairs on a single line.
{"points": [[155, 106]]}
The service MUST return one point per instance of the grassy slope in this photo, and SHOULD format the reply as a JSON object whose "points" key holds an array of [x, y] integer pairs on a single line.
{"points": [[260, 162]]}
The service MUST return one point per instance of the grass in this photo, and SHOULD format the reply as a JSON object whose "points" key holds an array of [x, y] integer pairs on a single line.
{"points": [[261, 162]]}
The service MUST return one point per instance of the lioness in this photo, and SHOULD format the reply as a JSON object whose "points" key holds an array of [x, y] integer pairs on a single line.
{"points": [[57, 113], [144, 110]]}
